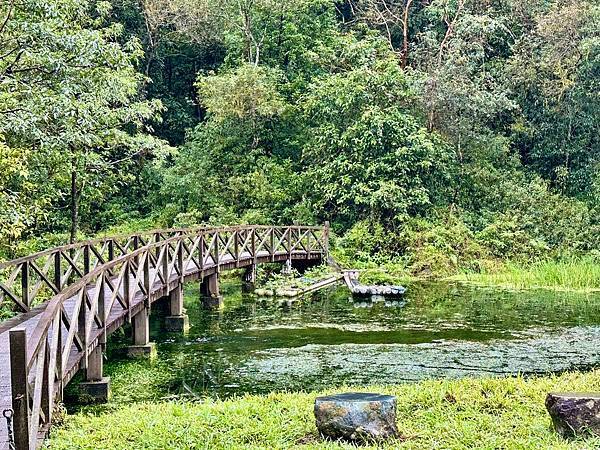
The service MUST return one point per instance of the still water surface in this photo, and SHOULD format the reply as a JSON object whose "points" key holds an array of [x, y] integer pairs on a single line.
{"points": [[440, 330]]}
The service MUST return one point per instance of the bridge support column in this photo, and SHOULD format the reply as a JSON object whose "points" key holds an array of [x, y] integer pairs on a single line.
{"points": [[249, 278], [177, 320], [96, 387], [209, 292], [142, 347]]}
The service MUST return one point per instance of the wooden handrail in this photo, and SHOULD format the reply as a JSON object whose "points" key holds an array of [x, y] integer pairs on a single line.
{"points": [[34, 278], [79, 244], [45, 272]]}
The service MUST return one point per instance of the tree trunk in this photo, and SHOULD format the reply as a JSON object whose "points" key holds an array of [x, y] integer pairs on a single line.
{"points": [[404, 59], [74, 204]]}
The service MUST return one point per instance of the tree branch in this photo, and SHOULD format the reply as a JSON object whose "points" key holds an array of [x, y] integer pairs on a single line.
{"points": [[8, 14]]}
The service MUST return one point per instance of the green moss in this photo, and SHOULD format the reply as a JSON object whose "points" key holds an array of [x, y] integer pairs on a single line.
{"points": [[504, 413]]}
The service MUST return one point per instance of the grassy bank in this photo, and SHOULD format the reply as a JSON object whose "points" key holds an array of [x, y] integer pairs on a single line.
{"points": [[471, 413], [574, 275], [580, 274]]}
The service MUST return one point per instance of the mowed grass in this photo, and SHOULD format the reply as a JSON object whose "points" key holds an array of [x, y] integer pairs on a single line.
{"points": [[501, 413], [574, 274]]}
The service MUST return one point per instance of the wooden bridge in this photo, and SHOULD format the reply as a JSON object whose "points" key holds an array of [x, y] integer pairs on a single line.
{"points": [[67, 301]]}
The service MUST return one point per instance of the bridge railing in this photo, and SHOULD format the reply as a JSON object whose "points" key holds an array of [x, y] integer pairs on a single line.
{"points": [[28, 281], [65, 336]]}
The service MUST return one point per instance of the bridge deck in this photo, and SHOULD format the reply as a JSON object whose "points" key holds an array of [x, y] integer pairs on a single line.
{"points": [[116, 318]]}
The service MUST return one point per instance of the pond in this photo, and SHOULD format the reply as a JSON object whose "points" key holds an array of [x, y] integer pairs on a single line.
{"points": [[443, 330]]}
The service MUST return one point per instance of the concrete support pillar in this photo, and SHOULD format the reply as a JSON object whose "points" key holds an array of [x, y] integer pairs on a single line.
{"points": [[250, 274], [95, 365], [249, 278], [287, 268], [141, 327], [209, 292], [177, 320], [142, 347], [96, 387]]}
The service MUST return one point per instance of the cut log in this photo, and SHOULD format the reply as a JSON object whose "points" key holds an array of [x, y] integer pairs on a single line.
{"points": [[356, 417], [574, 414]]}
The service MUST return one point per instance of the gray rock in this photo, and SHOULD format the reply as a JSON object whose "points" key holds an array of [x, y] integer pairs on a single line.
{"points": [[574, 413], [356, 417]]}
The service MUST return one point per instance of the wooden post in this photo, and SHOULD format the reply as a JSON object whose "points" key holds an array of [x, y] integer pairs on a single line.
{"points": [[20, 387], [57, 271], [96, 387], [81, 323], [135, 245], [201, 254], [250, 274], [156, 240], [86, 259], [209, 287], [46, 402], [25, 283], [253, 231], [272, 244], [127, 289], [209, 291], [147, 278], [165, 264], [102, 308], [216, 250], [180, 261], [59, 358], [111, 249], [236, 248], [111, 253]]}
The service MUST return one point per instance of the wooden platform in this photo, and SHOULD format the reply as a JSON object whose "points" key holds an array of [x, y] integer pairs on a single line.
{"points": [[363, 290]]}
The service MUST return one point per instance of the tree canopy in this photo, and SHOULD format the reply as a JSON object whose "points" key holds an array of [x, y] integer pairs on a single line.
{"points": [[413, 120]]}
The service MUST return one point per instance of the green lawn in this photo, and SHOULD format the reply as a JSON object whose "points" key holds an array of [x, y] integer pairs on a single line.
{"points": [[472, 413]]}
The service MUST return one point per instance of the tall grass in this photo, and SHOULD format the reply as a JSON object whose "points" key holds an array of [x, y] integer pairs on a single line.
{"points": [[577, 274]]}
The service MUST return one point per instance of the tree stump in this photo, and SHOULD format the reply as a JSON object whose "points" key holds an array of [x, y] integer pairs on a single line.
{"points": [[356, 417], [574, 414]]}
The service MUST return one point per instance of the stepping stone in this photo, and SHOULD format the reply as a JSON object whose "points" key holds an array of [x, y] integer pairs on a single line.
{"points": [[356, 417], [574, 413]]}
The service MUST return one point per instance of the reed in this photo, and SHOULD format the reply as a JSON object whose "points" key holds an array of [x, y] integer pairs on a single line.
{"points": [[575, 274]]}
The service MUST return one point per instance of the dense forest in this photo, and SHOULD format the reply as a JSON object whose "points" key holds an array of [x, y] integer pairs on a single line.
{"points": [[445, 134]]}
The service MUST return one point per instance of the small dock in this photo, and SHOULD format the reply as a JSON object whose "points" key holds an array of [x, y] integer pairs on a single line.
{"points": [[358, 289], [299, 291]]}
